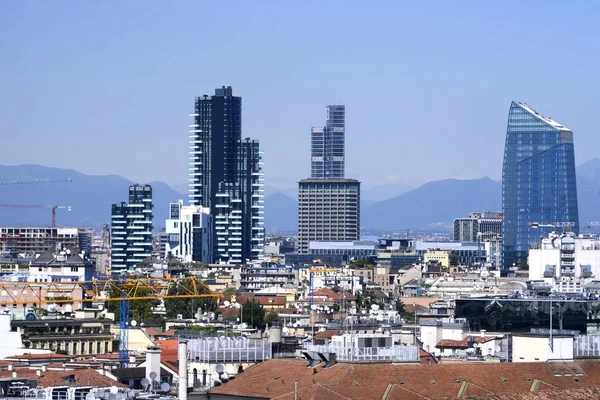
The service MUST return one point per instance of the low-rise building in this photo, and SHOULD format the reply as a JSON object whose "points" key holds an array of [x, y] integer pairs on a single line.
{"points": [[60, 264], [531, 347]]}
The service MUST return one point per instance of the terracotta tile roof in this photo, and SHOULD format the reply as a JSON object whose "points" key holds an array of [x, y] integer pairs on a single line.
{"points": [[49, 356], [463, 343], [151, 332], [410, 308], [565, 394], [275, 379], [82, 377], [328, 295], [108, 356], [263, 300], [427, 358], [170, 332], [327, 334]]}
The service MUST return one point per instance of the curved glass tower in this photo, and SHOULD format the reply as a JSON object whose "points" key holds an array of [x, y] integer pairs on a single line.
{"points": [[539, 189]]}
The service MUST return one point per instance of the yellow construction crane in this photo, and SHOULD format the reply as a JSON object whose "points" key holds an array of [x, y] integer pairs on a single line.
{"points": [[34, 293]]}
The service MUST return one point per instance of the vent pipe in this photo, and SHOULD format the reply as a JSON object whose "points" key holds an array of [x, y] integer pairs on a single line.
{"points": [[183, 370]]}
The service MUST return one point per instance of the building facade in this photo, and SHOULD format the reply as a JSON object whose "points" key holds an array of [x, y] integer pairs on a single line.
{"points": [[565, 256], [131, 230], [226, 177], [189, 233], [328, 145], [328, 210], [539, 186], [479, 226], [36, 240]]}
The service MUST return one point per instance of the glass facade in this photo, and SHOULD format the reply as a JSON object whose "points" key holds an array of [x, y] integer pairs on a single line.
{"points": [[226, 176], [131, 230], [539, 190], [328, 145]]}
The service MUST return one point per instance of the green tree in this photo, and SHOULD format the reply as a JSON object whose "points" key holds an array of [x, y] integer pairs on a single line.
{"points": [[187, 307], [253, 314], [271, 317], [230, 291], [139, 310], [400, 306]]}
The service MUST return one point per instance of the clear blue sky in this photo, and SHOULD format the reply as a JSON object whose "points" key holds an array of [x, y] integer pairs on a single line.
{"points": [[106, 87]]}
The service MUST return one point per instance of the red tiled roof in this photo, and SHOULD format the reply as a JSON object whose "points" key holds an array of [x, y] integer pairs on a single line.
{"points": [[49, 356], [170, 332], [275, 379], [565, 394], [463, 343], [83, 377], [328, 295], [108, 356], [327, 334], [151, 332]]}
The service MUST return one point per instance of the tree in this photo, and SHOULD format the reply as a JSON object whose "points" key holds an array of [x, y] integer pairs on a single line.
{"points": [[139, 310], [271, 317], [230, 291], [400, 306], [187, 307], [252, 313]]}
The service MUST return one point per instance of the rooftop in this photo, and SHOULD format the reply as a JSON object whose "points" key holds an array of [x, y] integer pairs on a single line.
{"points": [[546, 120], [275, 379]]}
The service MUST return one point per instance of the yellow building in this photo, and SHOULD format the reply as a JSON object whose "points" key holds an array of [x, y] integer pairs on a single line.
{"points": [[441, 257]]}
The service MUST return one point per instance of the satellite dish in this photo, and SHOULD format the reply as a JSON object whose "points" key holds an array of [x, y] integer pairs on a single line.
{"points": [[152, 375], [226, 303], [313, 307], [113, 390], [238, 305], [100, 307], [112, 396], [165, 387], [145, 382], [90, 396], [68, 251], [374, 307], [219, 368], [134, 323]]}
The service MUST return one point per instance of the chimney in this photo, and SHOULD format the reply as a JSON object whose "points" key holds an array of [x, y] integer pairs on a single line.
{"points": [[153, 362], [39, 373], [183, 370], [132, 359], [11, 367], [15, 374], [482, 333], [44, 368]]}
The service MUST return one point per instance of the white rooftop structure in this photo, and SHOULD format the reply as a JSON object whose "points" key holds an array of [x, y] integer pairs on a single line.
{"points": [[546, 120]]}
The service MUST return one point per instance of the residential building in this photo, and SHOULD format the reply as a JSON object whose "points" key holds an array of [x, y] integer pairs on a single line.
{"points": [[257, 277], [68, 335], [60, 264], [478, 226], [328, 210], [36, 240], [328, 145], [441, 257], [539, 188], [131, 230], [461, 253], [189, 233], [565, 256], [226, 177]]}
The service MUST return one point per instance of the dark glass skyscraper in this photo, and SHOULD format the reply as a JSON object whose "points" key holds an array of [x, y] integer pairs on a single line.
{"points": [[539, 186], [328, 145], [131, 230], [226, 176]]}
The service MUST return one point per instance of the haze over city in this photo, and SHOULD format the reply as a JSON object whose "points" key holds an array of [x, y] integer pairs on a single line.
{"points": [[106, 88]]}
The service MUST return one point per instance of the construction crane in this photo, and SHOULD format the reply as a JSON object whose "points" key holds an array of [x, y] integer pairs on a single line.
{"points": [[124, 290], [34, 180], [53, 208]]}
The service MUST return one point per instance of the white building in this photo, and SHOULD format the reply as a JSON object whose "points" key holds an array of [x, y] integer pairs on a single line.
{"points": [[566, 256], [189, 233], [541, 348]]}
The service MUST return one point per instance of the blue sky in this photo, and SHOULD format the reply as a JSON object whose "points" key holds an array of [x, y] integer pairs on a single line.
{"points": [[106, 87]]}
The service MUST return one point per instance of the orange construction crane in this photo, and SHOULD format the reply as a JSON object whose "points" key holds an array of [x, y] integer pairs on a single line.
{"points": [[53, 208], [35, 293]]}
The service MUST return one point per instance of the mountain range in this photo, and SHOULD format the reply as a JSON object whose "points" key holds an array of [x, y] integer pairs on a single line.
{"points": [[437, 203], [432, 204]]}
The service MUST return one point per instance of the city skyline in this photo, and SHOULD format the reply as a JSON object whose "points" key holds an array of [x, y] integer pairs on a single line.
{"points": [[112, 84]]}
